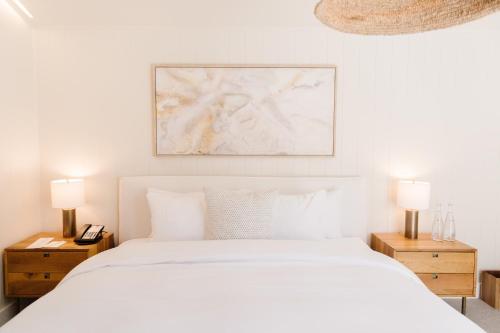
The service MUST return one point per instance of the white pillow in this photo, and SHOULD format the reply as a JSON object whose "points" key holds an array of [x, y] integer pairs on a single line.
{"points": [[332, 220], [239, 214], [176, 216], [315, 215], [300, 216]]}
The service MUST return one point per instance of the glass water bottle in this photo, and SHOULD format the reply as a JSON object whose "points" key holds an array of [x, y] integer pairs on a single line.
{"points": [[437, 224], [449, 225]]}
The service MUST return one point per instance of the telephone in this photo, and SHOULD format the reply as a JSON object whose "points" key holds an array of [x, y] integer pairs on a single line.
{"points": [[89, 234]]}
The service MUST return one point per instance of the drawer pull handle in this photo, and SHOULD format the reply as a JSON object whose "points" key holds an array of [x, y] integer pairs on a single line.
{"points": [[435, 255], [46, 276], [46, 255], [434, 276]]}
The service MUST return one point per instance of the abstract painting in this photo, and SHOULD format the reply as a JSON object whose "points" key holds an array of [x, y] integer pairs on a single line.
{"points": [[244, 110]]}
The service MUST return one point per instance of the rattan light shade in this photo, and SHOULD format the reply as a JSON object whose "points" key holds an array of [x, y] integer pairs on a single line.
{"points": [[392, 17]]}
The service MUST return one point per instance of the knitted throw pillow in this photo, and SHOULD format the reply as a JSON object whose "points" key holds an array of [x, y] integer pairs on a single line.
{"points": [[239, 214]]}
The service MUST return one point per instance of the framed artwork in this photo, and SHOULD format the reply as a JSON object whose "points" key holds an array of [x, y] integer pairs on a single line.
{"points": [[244, 110]]}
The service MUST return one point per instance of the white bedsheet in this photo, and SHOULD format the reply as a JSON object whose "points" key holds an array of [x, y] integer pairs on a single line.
{"points": [[240, 286]]}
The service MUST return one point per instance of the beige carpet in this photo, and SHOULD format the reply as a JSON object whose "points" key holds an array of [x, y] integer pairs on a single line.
{"points": [[480, 313]]}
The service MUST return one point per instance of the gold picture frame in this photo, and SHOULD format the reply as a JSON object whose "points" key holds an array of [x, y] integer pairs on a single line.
{"points": [[154, 71]]}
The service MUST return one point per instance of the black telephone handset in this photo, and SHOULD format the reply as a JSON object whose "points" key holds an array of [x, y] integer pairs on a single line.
{"points": [[89, 234]]}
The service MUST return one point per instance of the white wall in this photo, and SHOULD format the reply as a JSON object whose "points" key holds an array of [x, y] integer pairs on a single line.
{"points": [[19, 154], [424, 106]]}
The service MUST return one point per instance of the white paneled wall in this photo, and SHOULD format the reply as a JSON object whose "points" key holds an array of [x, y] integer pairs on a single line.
{"points": [[425, 106], [19, 154]]}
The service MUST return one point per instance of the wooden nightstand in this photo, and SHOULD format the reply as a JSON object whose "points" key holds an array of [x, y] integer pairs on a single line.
{"points": [[446, 268], [35, 272]]}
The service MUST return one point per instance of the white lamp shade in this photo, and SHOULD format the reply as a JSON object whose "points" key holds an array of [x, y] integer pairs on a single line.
{"points": [[67, 193], [414, 195]]}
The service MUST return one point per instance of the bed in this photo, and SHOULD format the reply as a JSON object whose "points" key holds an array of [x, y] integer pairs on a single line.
{"points": [[334, 285]]}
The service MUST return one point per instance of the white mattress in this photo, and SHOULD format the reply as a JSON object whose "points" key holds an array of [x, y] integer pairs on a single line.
{"points": [[240, 286]]}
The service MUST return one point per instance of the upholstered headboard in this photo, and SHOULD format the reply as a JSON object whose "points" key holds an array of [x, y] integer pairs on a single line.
{"points": [[134, 212]]}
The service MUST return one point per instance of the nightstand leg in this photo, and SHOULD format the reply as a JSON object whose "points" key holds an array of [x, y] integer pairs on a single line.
{"points": [[464, 305]]}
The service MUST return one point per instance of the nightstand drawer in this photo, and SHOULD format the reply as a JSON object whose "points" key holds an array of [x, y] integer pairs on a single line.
{"points": [[31, 284], [437, 262], [449, 284], [41, 261]]}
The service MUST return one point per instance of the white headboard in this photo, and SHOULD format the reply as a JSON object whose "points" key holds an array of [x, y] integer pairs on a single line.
{"points": [[134, 212]]}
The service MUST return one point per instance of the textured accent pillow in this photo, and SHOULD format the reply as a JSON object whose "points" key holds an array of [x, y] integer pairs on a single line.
{"points": [[239, 214], [176, 216]]}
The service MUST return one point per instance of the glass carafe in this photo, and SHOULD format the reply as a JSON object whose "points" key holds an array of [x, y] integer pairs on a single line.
{"points": [[437, 224], [449, 225]]}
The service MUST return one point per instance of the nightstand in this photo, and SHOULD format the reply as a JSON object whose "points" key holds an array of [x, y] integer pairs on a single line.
{"points": [[35, 272], [446, 268]]}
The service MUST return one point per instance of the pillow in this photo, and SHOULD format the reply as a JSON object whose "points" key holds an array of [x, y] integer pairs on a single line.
{"points": [[300, 216], [239, 214], [333, 214], [313, 215], [176, 216]]}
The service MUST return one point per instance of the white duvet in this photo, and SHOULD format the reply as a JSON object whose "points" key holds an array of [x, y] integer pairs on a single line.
{"points": [[240, 286]]}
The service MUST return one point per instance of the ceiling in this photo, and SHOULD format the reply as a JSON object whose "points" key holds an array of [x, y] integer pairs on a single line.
{"points": [[186, 13], [172, 12]]}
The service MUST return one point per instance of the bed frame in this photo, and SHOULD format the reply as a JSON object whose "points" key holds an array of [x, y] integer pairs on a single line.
{"points": [[134, 212]]}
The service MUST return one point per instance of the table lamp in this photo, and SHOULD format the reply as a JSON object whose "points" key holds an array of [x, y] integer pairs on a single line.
{"points": [[413, 196], [68, 194]]}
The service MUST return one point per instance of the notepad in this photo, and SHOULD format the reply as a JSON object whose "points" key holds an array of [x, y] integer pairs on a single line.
{"points": [[40, 242], [54, 244]]}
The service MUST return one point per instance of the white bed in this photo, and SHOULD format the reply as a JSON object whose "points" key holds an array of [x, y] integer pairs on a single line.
{"points": [[337, 285]]}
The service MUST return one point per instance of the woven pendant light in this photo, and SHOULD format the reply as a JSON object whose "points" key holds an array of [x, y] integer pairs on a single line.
{"points": [[392, 17]]}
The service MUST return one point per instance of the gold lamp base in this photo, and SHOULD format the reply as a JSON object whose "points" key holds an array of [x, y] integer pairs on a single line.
{"points": [[411, 224], [69, 223]]}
